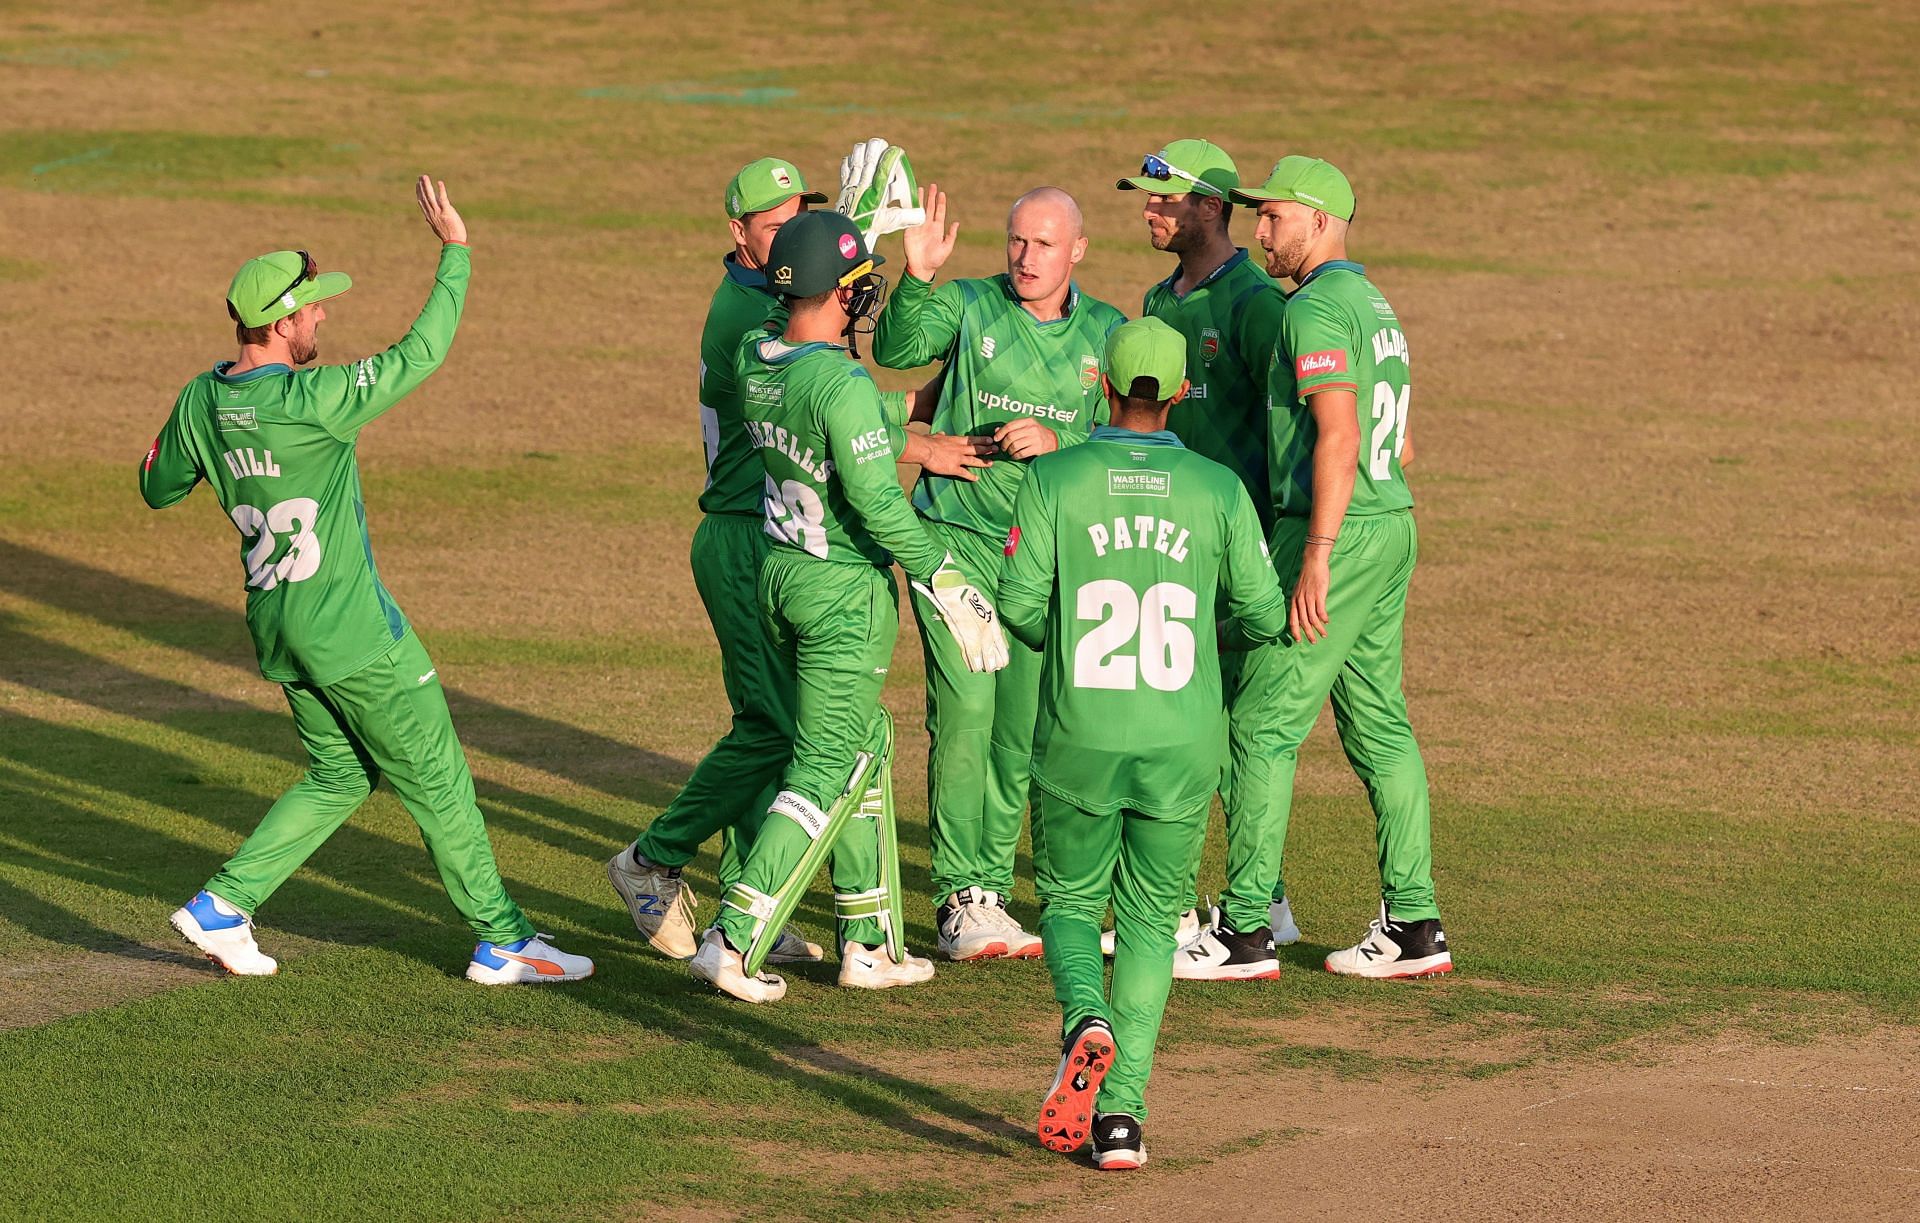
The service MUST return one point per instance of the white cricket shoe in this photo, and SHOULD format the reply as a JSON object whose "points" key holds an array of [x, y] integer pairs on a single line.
{"points": [[863, 967], [1022, 944], [969, 927], [530, 961], [1280, 917], [725, 969], [1220, 954], [224, 933], [790, 948], [1187, 931], [660, 903], [1393, 949]]}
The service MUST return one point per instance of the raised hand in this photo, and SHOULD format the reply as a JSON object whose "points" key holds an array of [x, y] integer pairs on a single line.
{"points": [[929, 243], [442, 217]]}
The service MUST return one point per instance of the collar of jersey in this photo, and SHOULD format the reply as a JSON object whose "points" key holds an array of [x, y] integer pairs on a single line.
{"points": [[746, 277], [258, 371], [1113, 433], [1066, 308], [790, 352], [1234, 260], [1332, 265]]}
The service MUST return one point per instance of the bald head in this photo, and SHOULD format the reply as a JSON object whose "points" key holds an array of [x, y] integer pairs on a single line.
{"points": [[1051, 203], [1044, 242]]}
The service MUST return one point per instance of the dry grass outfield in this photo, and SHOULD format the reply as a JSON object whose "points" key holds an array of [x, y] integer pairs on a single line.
{"points": [[1660, 273]]}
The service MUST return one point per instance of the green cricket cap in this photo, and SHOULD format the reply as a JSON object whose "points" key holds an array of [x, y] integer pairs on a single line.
{"points": [[817, 251], [1146, 348], [767, 183], [268, 288], [1183, 166], [1304, 180]]}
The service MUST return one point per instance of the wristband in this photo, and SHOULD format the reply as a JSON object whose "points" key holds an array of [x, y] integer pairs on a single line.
{"points": [[1328, 540]]}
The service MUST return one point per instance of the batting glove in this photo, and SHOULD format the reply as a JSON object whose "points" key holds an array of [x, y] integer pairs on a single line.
{"points": [[968, 616], [877, 190]]}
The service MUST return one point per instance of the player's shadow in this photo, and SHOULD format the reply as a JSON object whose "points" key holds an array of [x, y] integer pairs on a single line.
{"points": [[217, 633]]}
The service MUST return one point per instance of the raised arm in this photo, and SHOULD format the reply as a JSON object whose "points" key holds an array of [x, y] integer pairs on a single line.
{"points": [[919, 322]]}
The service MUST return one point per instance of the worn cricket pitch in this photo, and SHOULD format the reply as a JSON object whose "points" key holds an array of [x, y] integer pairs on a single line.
{"points": [[1659, 270]]}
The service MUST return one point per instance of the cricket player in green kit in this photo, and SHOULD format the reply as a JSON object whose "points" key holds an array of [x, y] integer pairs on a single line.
{"points": [[1229, 311], [1022, 366], [1114, 558], [277, 444], [837, 519], [1344, 540], [730, 788]]}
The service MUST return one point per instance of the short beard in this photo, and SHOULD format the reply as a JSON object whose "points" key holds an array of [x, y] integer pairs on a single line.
{"points": [[1285, 260], [1180, 241], [303, 353]]}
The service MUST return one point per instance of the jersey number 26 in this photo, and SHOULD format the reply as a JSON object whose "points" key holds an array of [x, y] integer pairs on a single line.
{"points": [[1165, 657]]}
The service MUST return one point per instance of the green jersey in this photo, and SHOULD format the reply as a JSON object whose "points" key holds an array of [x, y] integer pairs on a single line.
{"points": [[742, 305], [827, 449], [1231, 320], [278, 447], [1339, 334], [1115, 554], [1001, 364]]}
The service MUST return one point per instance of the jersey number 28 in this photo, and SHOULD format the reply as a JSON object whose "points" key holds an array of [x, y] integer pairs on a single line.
{"points": [[1165, 658]]}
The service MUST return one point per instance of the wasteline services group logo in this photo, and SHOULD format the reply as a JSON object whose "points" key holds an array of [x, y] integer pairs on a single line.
{"points": [[1138, 483]]}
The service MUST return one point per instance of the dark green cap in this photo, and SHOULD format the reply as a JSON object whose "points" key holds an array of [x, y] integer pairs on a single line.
{"points": [[817, 251]]}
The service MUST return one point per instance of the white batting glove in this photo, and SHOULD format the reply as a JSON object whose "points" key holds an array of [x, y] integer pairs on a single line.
{"points": [[877, 190], [968, 616]]}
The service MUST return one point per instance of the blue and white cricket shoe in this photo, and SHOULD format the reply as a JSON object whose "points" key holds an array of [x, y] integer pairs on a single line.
{"points": [[224, 933], [531, 961]]}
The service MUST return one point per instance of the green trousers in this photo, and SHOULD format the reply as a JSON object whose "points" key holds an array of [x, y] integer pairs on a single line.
{"points": [[730, 788], [1141, 865], [1255, 808], [387, 719], [1358, 665], [834, 625], [980, 763]]}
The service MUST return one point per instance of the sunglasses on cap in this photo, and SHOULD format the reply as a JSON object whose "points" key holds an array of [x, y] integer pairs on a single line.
{"points": [[308, 270], [1157, 167]]}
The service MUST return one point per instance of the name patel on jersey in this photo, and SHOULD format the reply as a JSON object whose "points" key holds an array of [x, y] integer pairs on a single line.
{"points": [[245, 462], [769, 436], [1145, 531]]}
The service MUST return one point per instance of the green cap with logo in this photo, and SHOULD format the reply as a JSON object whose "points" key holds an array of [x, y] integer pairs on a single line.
{"points": [[817, 251], [1183, 166], [767, 183], [270, 287], [1303, 180], [1146, 348]]}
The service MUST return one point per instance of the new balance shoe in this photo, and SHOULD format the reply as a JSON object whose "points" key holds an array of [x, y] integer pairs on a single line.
{"points": [[530, 961], [1280, 917], [863, 967], [1394, 949], [660, 903], [721, 966], [1188, 930], [969, 928], [1220, 954], [1118, 1143], [1066, 1114], [1021, 944], [224, 933], [790, 948]]}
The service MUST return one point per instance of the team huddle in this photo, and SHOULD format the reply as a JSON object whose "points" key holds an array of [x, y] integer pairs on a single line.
{"points": [[1141, 558]]}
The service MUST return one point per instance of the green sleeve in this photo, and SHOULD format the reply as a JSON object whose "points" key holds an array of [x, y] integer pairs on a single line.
{"points": [[918, 325], [1026, 576], [169, 471], [1319, 340], [347, 398], [1254, 599], [893, 408], [862, 456], [1258, 325]]}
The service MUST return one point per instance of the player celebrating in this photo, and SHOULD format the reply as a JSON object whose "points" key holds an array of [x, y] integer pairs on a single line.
{"points": [[1022, 366], [277, 443], [1115, 555], [838, 519], [731, 786], [1345, 539], [1229, 312]]}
